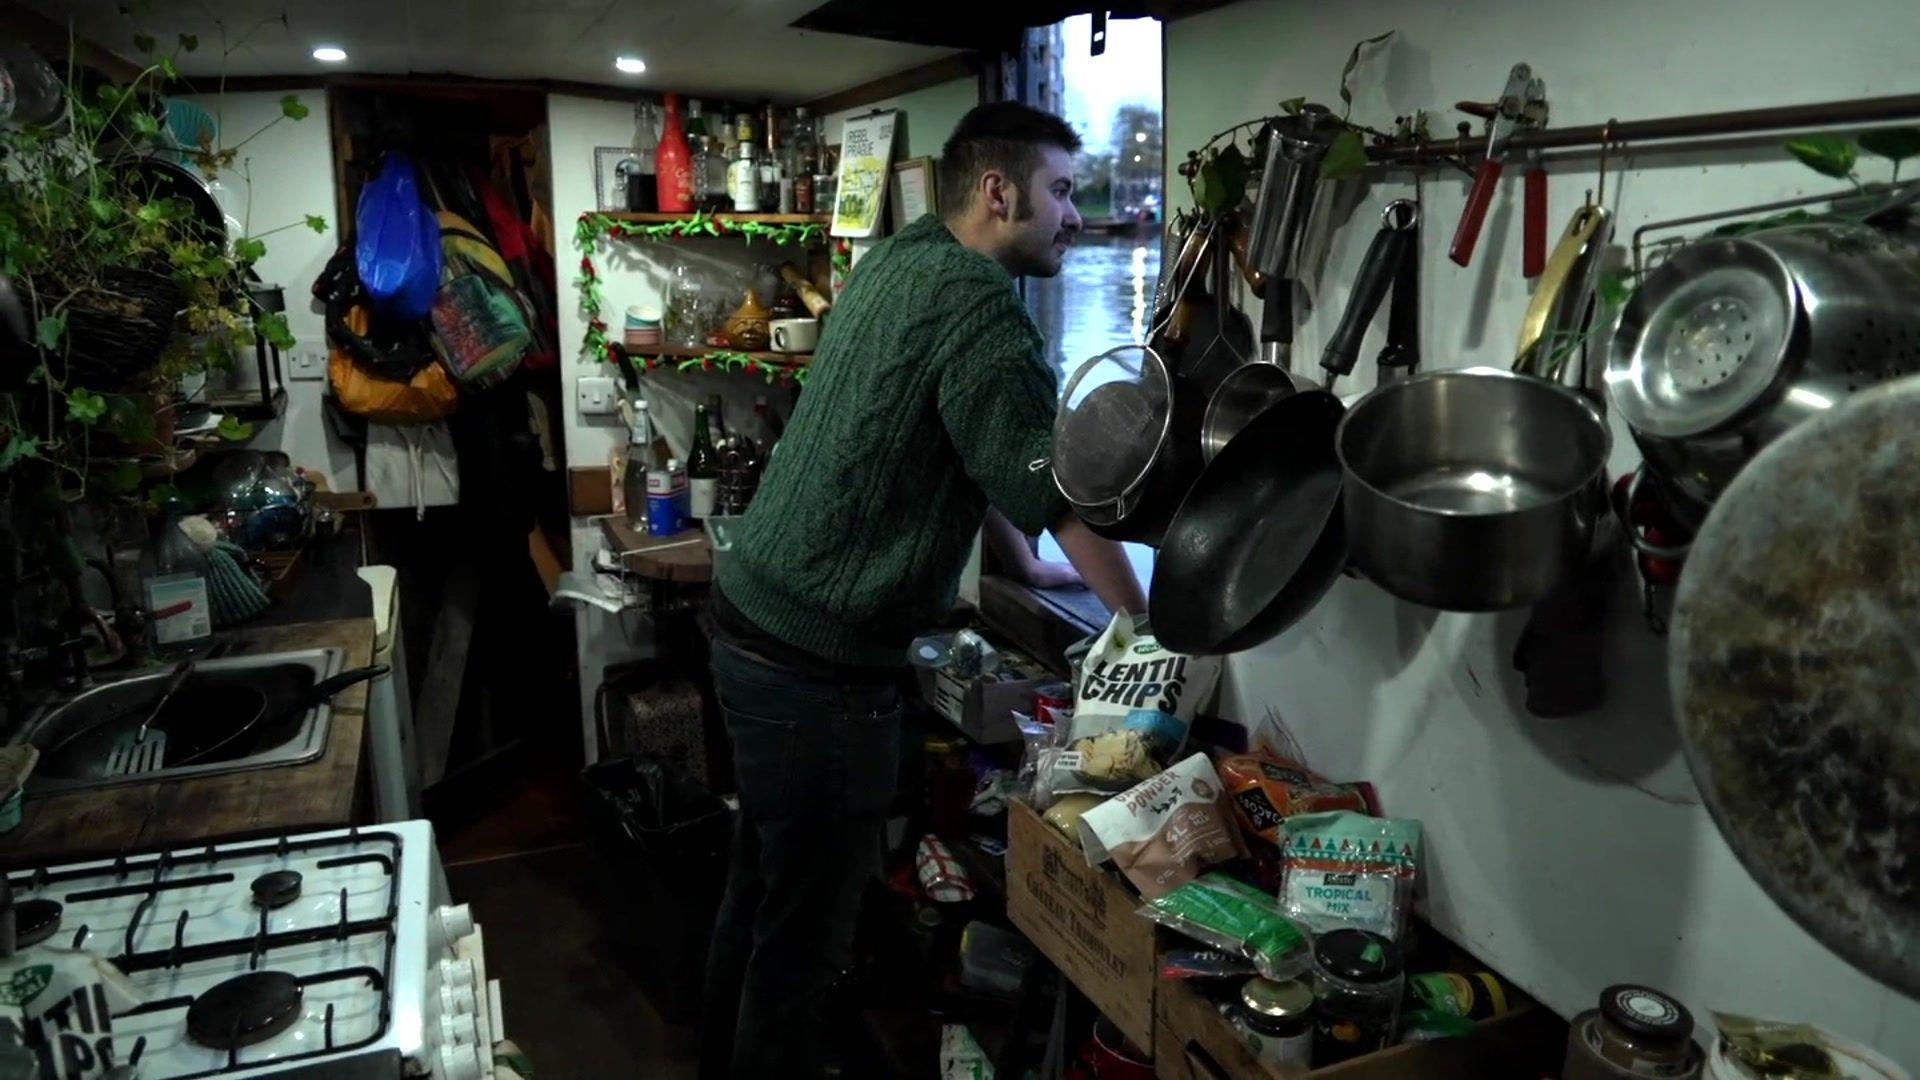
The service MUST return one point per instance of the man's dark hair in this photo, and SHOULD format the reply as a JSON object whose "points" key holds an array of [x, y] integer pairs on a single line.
{"points": [[1003, 136]]}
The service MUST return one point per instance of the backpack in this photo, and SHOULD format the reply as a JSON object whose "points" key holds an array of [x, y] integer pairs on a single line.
{"points": [[426, 396], [479, 320], [390, 348]]}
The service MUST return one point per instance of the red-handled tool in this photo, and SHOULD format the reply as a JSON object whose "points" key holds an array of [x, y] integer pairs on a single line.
{"points": [[1522, 103], [1533, 222]]}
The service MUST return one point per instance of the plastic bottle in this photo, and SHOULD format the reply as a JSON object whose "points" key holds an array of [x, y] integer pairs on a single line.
{"points": [[673, 163], [176, 586]]}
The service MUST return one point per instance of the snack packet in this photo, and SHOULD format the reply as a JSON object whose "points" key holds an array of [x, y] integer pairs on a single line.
{"points": [[1266, 789], [61, 1003], [1346, 870], [1238, 918], [1133, 703], [1164, 831]]}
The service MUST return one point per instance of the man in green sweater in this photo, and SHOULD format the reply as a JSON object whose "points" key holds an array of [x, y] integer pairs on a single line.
{"points": [[928, 413]]}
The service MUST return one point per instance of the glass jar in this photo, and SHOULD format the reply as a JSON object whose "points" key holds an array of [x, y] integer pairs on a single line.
{"points": [[1276, 1019], [1357, 983], [690, 307], [1635, 1032]]}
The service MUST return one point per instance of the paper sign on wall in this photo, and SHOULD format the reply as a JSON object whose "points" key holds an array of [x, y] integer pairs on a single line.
{"points": [[866, 152]]}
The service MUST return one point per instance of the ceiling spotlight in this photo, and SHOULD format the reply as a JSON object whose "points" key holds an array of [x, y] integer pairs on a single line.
{"points": [[329, 54], [632, 65]]}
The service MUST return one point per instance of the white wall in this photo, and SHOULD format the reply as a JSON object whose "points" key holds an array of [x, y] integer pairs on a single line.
{"points": [[1567, 854], [290, 167]]}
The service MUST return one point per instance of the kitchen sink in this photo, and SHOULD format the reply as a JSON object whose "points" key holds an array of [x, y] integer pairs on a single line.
{"points": [[76, 734]]}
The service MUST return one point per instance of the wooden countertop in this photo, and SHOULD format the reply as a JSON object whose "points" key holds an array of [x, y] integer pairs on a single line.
{"points": [[684, 557], [130, 817]]}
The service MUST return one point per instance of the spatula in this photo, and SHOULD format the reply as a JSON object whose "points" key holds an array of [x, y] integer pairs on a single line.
{"points": [[144, 750]]}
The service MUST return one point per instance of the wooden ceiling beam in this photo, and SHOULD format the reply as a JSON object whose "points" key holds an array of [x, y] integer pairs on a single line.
{"points": [[55, 41]]}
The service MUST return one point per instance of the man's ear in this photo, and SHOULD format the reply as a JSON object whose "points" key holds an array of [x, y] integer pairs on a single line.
{"points": [[996, 195]]}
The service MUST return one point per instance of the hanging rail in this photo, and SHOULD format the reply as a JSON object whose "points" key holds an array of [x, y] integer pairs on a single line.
{"points": [[1668, 128]]}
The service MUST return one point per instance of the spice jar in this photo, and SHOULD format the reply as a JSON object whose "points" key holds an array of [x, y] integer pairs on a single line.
{"points": [[1635, 1032], [1357, 983], [1276, 1019]]}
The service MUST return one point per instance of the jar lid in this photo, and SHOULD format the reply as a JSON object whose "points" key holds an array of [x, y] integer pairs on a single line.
{"points": [[1360, 956], [1280, 1000], [1648, 1013]]}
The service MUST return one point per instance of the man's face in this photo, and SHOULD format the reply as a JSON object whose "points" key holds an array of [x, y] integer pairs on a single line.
{"points": [[1044, 220]]}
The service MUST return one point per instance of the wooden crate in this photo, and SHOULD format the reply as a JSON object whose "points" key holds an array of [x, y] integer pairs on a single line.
{"points": [[1083, 919], [1195, 1042]]}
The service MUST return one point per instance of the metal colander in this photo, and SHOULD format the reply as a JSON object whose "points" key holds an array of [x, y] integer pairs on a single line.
{"points": [[1111, 426]]}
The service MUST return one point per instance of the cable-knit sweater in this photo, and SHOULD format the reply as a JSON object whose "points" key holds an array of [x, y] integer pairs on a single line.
{"points": [[929, 398]]}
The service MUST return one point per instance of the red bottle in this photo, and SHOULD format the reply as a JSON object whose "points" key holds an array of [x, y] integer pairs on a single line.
{"points": [[673, 163]]}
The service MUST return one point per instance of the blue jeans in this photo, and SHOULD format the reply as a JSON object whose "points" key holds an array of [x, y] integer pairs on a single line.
{"points": [[816, 763]]}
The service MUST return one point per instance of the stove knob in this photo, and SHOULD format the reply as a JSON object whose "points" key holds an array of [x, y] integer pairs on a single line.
{"points": [[459, 1030], [455, 1001], [457, 972], [458, 1062], [456, 920]]}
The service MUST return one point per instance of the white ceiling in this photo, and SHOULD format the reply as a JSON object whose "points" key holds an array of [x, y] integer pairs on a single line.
{"points": [[733, 47]]}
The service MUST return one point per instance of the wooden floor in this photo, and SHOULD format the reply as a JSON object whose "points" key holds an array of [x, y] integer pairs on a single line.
{"points": [[559, 934]]}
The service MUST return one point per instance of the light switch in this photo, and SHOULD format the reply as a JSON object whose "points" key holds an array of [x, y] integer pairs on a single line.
{"points": [[596, 395], [307, 362]]}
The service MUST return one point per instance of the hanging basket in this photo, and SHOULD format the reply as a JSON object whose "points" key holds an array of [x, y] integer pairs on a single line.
{"points": [[117, 328]]}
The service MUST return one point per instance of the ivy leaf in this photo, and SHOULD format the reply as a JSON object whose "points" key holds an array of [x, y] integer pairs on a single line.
{"points": [[1232, 170], [273, 327], [103, 209], [1292, 105], [129, 420], [189, 42], [1894, 144], [143, 42], [18, 448], [234, 429], [110, 94], [1346, 156], [1825, 154], [122, 479], [38, 374], [1616, 287], [316, 223], [292, 108], [1206, 189], [167, 68], [86, 406], [248, 250], [50, 330], [1353, 61], [144, 124]]}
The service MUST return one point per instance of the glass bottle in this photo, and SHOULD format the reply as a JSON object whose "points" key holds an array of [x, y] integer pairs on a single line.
{"points": [[743, 179], [673, 163], [698, 150], [803, 159], [643, 195], [176, 586], [718, 199], [696, 121], [772, 165], [703, 467], [634, 477], [688, 306]]}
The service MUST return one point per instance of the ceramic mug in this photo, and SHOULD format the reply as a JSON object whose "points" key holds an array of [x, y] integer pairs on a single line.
{"points": [[795, 335]]}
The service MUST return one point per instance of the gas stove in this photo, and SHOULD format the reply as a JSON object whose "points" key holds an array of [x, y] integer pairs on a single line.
{"points": [[323, 949]]}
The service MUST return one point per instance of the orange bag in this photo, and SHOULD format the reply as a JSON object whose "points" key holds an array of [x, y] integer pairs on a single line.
{"points": [[1266, 789], [430, 395]]}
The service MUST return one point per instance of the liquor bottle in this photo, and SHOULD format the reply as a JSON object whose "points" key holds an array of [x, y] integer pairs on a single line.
{"points": [[772, 163], [643, 192], [696, 121], [673, 162], [803, 158], [703, 466], [633, 474], [743, 179]]}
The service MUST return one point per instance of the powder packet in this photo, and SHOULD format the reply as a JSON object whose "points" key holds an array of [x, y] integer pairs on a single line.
{"points": [[1266, 789], [1238, 918], [1342, 870], [1134, 700], [1165, 830]]}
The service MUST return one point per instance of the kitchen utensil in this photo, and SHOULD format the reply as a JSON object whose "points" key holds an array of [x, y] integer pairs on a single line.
{"points": [[317, 694], [1218, 336], [1259, 538], [1245, 393], [1400, 356], [1289, 181], [1791, 664], [1563, 301], [1398, 222], [1733, 341], [1125, 443], [795, 335], [1474, 489], [1522, 102], [143, 750]]}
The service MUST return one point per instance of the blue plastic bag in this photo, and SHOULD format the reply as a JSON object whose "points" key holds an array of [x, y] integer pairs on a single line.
{"points": [[397, 249]]}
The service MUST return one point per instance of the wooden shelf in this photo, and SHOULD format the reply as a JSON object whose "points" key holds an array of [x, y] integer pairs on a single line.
{"points": [[724, 217], [687, 352]]}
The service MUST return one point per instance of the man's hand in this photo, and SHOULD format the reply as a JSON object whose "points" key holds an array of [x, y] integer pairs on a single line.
{"points": [[1104, 565]]}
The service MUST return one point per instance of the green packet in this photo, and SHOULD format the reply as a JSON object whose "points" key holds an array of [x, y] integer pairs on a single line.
{"points": [[1229, 914]]}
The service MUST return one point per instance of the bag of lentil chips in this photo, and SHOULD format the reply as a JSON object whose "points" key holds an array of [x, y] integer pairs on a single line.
{"points": [[1134, 700], [1342, 870]]}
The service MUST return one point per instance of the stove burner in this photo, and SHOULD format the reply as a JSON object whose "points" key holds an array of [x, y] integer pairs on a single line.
{"points": [[244, 1010], [34, 921], [276, 889]]}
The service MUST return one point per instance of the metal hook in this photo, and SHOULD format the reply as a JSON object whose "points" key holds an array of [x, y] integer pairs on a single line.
{"points": [[1606, 146]]}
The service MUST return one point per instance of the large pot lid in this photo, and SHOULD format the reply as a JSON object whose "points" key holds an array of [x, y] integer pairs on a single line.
{"points": [[1795, 671], [1703, 338]]}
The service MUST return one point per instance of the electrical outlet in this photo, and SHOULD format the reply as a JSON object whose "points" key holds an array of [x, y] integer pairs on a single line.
{"points": [[307, 363], [596, 395]]}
